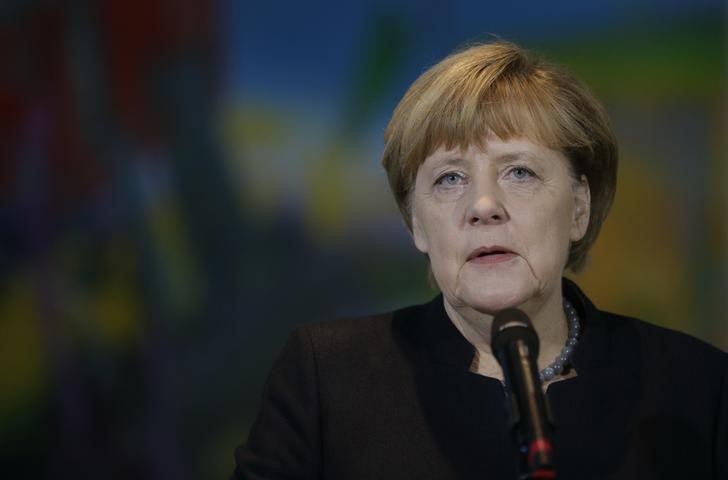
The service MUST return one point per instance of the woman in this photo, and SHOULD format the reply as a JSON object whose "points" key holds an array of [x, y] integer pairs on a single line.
{"points": [[504, 169]]}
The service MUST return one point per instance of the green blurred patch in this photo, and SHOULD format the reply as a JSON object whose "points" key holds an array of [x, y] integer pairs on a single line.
{"points": [[649, 63]]}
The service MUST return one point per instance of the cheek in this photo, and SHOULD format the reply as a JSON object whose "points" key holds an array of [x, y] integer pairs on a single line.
{"points": [[442, 247], [442, 237], [437, 225], [546, 235], [446, 272]]}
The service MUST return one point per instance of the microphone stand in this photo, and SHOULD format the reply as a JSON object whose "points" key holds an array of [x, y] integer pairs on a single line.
{"points": [[531, 433], [515, 345]]}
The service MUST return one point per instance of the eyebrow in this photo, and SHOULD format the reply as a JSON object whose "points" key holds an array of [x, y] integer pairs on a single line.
{"points": [[449, 160], [455, 160], [511, 156]]}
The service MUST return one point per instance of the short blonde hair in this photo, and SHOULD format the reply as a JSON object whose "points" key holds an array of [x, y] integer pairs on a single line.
{"points": [[498, 87]]}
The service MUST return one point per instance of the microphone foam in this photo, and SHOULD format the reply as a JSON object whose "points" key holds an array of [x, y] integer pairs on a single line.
{"points": [[510, 325]]}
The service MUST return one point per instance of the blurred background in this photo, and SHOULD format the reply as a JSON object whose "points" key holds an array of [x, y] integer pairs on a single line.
{"points": [[183, 182]]}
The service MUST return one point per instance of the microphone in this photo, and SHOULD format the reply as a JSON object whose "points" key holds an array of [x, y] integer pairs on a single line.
{"points": [[515, 344]]}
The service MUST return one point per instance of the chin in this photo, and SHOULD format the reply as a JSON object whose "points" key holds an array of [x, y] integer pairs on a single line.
{"points": [[490, 301], [490, 296]]}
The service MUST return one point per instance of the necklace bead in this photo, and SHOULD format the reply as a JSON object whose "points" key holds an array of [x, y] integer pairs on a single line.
{"points": [[564, 358]]}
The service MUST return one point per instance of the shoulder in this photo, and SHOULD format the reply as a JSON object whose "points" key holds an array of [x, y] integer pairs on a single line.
{"points": [[367, 337], [662, 338], [345, 331], [674, 352], [615, 339]]}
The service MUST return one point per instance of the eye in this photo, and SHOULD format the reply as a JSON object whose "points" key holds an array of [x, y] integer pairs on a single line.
{"points": [[521, 173], [450, 179]]}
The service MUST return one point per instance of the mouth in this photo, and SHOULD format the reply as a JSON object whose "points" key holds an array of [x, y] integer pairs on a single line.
{"points": [[490, 254]]}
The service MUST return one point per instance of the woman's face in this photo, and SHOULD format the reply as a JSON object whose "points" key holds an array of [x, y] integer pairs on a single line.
{"points": [[497, 222]]}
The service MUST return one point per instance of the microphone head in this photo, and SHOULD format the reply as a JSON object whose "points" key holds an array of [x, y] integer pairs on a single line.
{"points": [[510, 325]]}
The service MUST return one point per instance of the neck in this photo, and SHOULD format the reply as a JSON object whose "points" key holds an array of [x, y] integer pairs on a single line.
{"points": [[548, 319]]}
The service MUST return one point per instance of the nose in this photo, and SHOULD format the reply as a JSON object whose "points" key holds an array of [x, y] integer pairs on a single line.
{"points": [[486, 207]]}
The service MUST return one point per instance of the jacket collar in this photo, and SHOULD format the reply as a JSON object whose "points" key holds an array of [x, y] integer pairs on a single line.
{"points": [[447, 346]]}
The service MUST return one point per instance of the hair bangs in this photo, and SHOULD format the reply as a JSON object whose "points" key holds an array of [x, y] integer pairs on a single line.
{"points": [[508, 106]]}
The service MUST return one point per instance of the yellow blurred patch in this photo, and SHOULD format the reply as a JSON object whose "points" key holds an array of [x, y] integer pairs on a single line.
{"points": [[253, 138], [115, 302], [179, 286], [637, 267], [327, 199], [23, 375]]}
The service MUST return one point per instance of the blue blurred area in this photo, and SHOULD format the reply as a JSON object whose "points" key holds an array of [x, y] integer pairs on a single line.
{"points": [[181, 183]]}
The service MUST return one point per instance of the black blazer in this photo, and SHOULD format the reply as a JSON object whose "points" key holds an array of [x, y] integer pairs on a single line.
{"points": [[391, 397]]}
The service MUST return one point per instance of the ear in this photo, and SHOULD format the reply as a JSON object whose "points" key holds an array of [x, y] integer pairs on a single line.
{"points": [[418, 234], [582, 210]]}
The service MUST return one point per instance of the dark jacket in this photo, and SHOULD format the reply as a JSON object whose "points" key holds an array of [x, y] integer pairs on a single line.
{"points": [[391, 397]]}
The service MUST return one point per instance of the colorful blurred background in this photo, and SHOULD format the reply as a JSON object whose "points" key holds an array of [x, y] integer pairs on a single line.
{"points": [[183, 182]]}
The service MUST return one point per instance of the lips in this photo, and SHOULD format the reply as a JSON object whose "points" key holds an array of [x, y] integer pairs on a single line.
{"points": [[490, 253]]}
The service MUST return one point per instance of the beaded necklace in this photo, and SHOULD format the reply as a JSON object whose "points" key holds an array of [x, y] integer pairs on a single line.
{"points": [[562, 360]]}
